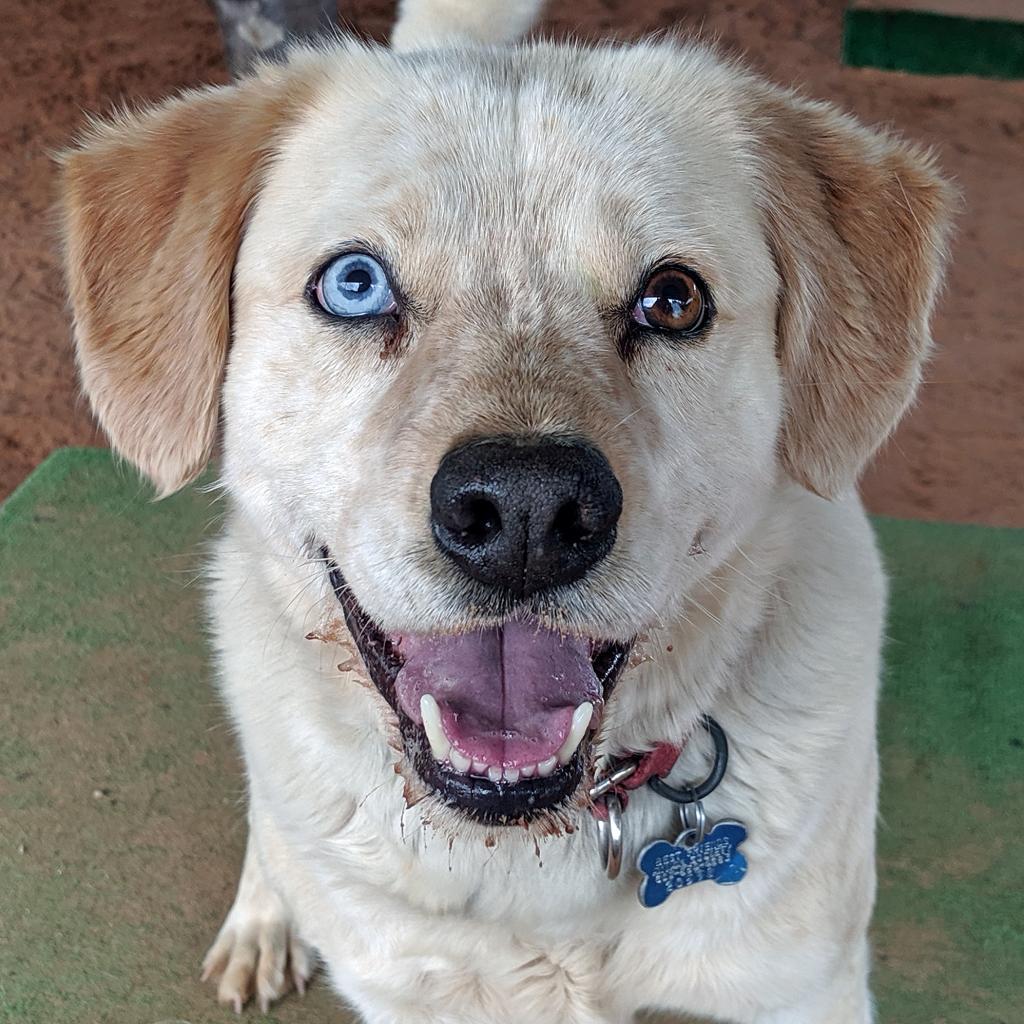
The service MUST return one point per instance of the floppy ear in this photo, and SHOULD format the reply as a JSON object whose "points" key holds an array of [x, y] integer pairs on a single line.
{"points": [[857, 222], [153, 207]]}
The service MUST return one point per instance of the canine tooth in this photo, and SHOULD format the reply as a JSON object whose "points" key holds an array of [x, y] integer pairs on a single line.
{"points": [[440, 745], [545, 768], [459, 761], [580, 720], [511, 775], [494, 773], [528, 771]]}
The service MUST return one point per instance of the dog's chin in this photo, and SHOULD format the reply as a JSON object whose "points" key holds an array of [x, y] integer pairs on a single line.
{"points": [[498, 752]]}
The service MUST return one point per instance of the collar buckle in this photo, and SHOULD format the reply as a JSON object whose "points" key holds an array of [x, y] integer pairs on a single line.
{"points": [[605, 782]]}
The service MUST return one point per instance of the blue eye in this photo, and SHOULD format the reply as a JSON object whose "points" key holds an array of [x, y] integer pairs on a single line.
{"points": [[355, 285]]}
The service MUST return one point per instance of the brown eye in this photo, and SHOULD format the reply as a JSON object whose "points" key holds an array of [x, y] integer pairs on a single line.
{"points": [[672, 300]]}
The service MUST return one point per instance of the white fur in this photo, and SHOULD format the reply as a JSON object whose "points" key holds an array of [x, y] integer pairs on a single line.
{"points": [[426, 23]]}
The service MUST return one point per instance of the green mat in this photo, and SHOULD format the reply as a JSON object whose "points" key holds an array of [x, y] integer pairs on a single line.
{"points": [[933, 44], [121, 816]]}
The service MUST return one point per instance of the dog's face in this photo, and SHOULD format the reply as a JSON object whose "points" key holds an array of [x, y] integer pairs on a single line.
{"points": [[520, 347], [512, 219]]}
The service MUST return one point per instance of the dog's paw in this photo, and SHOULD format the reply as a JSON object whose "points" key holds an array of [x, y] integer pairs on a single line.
{"points": [[257, 952]]}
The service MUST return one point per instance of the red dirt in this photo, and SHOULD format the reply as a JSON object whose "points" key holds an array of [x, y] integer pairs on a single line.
{"points": [[959, 456]]}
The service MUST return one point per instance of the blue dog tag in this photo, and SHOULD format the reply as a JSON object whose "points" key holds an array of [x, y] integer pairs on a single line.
{"points": [[670, 866]]}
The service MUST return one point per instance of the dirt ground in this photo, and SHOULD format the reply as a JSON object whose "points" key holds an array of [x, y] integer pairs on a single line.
{"points": [[959, 456]]}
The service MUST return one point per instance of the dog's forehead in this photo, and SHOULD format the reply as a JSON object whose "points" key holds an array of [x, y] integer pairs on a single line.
{"points": [[600, 161]]}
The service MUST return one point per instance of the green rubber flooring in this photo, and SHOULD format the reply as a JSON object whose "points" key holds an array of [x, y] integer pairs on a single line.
{"points": [[923, 43], [121, 815]]}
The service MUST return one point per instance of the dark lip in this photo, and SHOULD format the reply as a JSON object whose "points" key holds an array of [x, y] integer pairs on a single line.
{"points": [[491, 803]]}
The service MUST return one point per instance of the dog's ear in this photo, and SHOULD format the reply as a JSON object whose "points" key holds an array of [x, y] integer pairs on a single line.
{"points": [[857, 222], [153, 208]]}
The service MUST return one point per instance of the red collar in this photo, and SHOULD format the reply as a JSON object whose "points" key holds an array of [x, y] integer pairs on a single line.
{"points": [[657, 762]]}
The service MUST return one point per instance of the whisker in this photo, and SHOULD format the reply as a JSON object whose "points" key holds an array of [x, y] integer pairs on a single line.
{"points": [[629, 416], [304, 588], [759, 568], [710, 614], [844, 384]]}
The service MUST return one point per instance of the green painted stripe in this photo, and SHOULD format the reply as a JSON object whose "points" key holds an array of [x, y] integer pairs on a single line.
{"points": [[933, 44]]}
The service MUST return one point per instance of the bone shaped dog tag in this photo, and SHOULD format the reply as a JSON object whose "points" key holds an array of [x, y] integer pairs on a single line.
{"points": [[670, 866]]}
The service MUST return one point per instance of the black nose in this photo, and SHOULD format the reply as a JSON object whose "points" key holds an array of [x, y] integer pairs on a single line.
{"points": [[525, 516]]}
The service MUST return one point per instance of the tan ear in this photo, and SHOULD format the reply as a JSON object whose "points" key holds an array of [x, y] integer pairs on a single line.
{"points": [[857, 221], [153, 208]]}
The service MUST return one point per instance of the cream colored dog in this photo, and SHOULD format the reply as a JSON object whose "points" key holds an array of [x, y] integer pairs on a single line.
{"points": [[540, 369]]}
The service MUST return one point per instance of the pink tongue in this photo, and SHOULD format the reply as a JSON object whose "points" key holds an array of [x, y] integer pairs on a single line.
{"points": [[506, 695]]}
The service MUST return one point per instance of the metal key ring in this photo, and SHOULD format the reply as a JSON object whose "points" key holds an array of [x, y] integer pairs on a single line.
{"points": [[693, 794], [700, 820], [609, 836]]}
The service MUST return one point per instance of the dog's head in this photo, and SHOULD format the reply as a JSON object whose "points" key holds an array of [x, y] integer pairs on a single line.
{"points": [[520, 342]]}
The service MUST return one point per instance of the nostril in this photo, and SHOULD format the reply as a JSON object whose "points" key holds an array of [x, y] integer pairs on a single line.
{"points": [[476, 521], [568, 525]]}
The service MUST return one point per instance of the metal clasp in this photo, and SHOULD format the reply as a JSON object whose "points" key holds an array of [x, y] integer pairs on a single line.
{"points": [[609, 828], [603, 783], [694, 832]]}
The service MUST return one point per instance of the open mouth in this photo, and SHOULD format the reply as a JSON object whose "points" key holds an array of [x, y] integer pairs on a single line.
{"points": [[499, 721]]}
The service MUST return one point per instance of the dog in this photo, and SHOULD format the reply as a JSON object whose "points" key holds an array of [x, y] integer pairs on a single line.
{"points": [[542, 376]]}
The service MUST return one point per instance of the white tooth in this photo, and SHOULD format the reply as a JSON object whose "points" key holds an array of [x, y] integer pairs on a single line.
{"points": [[494, 773], [545, 768], [479, 768], [440, 745], [528, 771], [511, 775], [580, 720], [459, 761]]}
